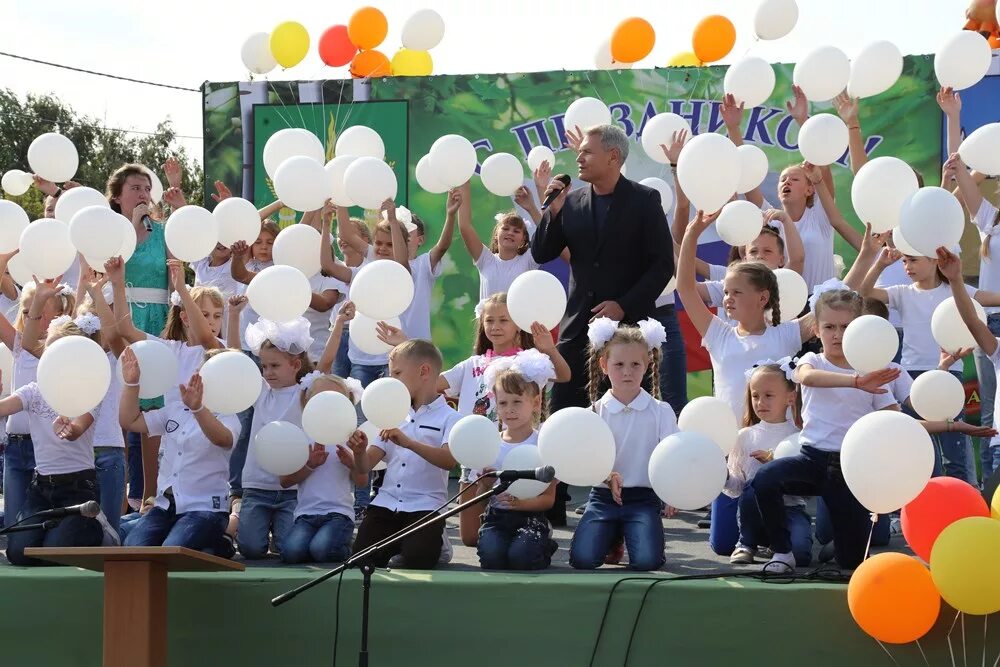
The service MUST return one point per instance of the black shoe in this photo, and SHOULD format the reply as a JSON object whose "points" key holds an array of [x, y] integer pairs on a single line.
{"points": [[557, 515], [705, 523], [827, 552]]}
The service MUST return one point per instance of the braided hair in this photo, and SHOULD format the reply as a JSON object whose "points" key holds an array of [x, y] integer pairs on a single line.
{"points": [[624, 335]]}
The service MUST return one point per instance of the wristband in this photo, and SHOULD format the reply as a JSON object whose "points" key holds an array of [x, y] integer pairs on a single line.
{"points": [[202, 407], [310, 468], [854, 127], [58, 192], [856, 378], [673, 165], [951, 424], [129, 384]]}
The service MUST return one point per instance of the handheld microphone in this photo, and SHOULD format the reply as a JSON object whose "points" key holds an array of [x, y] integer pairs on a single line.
{"points": [[543, 474], [147, 222], [565, 180], [89, 509]]}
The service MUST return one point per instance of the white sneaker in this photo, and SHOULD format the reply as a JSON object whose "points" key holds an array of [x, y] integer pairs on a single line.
{"points": [[110, 537], [780, 564], [446, 550], [742, 555]]}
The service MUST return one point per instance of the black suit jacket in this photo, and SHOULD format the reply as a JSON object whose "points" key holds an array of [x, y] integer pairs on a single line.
{"points": [[630, 262]]}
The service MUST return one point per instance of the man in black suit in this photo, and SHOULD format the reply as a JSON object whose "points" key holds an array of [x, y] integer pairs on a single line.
{"points": [[621, 253]]}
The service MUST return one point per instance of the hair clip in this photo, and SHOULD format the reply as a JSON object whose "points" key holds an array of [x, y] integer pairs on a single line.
{"points": [[601, 331], [175, 299], [654, 333]]}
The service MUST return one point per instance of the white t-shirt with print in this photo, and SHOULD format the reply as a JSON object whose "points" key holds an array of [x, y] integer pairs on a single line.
{"points": [[465, 382], [916, 306], [53, 456]]}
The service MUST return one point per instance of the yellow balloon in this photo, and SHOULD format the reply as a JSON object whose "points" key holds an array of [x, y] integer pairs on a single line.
{"points": [[684, 59], [408, 62], [995, 505], [289, 43], [961, 553]]}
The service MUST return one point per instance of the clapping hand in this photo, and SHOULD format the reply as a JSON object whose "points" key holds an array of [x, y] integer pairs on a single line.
{"points": [[173, 172], [318, 456], [130, 367], [192, 392], [221, 192]]}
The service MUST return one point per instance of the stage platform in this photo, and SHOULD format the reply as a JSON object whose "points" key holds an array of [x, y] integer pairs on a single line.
{"points": [[462, 615]]}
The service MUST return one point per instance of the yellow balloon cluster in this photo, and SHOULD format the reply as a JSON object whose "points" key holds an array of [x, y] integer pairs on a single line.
{"points": [[289, 43], [408, 62], [961, 553]]}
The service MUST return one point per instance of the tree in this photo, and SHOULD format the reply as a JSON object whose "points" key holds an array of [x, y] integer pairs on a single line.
{"points": [[102, 150]]}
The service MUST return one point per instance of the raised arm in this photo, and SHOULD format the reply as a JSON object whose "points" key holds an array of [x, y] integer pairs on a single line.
{"points": [[114, 268], [240, 253], [687, 287], [847, 109], [470, 238], [951, 267], [819, 177], [437, 253], [329, 356], [7, 286], [237, 303], [967, 186], [109, 330], [400, 249], [33, 338], [348, 233], [524, 199], [130, 417], [682, 206], [886, 257], [216, 432], [328, 263], [867, 254], [201, 332], [951, 105], [547, 346]]}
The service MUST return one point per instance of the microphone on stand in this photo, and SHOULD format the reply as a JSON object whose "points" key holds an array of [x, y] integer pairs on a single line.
{"points": [[543, 474], [89, 510], [565, 180]]}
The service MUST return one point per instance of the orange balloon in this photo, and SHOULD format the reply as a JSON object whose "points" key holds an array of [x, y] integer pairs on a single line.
{"points": [[368, 64], [632, 40], [713, 38], [892, 597], [367, 28]]}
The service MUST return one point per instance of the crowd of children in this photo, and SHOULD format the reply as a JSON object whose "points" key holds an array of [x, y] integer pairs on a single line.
{"points": [[194, 479]]}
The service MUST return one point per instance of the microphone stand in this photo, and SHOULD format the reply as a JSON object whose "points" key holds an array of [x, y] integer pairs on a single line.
{"points": [[48, 524], [367, 568]]}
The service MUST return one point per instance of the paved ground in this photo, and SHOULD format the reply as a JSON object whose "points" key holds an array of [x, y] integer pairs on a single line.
{"points": [[687, 550]]}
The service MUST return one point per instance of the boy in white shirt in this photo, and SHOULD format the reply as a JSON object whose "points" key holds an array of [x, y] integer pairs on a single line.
{"points": [[418, 460]]}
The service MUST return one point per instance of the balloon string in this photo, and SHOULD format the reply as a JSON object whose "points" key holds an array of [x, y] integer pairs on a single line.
{"points": [[275, 91], [887, 652], [965, 653], [986, 619], [587, 74], [951, 651], [874, 519], [922, 653]]}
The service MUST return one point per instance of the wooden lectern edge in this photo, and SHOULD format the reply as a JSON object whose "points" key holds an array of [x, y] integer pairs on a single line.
{"points": [[176, 559]]}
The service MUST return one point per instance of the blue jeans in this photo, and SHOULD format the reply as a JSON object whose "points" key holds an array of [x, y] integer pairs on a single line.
{"points": [[110, 465], [342, 363], [510, 540], [238, 457], [368, 374], [200, 531], [725, 530], [133, 447], [71, 531], [989, 456], [319, 539], [812, 473], [753, 535], [824, 528], [263, 513], [673, 360], [637, 519], [18, 467], [952, 451], [126, 524]]}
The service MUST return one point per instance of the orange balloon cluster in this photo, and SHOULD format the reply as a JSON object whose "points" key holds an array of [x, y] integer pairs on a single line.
{"points": [[713, 39], [367, 29], [632, 40]]}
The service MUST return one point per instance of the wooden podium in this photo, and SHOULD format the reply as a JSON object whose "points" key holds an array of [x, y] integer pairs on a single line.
{"points": [[135, 594]]}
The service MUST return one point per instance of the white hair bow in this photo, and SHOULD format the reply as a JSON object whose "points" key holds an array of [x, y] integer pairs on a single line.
{"points": [[292, 337], [827, 286], [354, 388], [58, 322], [175, 299], [479, 309], [88, 323], [532, 364], [653, 332], [601, 331], [786, 364]]}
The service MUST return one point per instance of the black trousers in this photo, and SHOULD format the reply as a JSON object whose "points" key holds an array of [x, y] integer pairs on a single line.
{"points": [[421, 551]]}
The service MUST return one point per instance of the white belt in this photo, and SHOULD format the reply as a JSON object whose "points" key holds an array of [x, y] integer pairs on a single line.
{"points": [[144, 295]]}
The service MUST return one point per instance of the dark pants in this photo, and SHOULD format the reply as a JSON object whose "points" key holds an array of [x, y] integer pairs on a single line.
{"points": [[133, 465], [49, 492], [812, 473], [673, 360], [510, 540], [420, 551], [752, 533]]}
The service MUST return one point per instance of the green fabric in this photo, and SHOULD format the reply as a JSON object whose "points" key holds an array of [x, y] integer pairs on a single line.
{"points": [[449, 618], [148, 268]]}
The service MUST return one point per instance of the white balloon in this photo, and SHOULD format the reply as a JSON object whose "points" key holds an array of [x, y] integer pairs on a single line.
{"points": [[382, 289], [475, 442], [360, 141], [536, 296], [73, 375], [875, 69], [524, 457], [666, 193], [502, 174], [887, 458], [46, 249], [232, 383], [6, 368], [948, 328], [427, 178], [739, 223], [299, 246], [753, 167], [157, 368], [823, 139], [155, 186], [191, 233], [879, 189], [96, 233], [687, 470], [53, 157], [74, 200], [579, 445], [822, 74], [329, 418], [713, 418], [586, 112], [659, 130], [372, 434], [423, 30], [335, 170], [237, 220], [790, 446], [18, 270], [901, 244], [13, 221], [775, 18], [981, 149], [288, 143], [453, 160], [604, 60], [540, 154], [302, 184], [279, 293], [364, 333], [937, 395], [870, 343], [369, 182], [281, 448], [15, 182], [930, 218], [709, 171], [386, 403], [793, 293], [750, 80], [256, 53], [963, 60]]}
